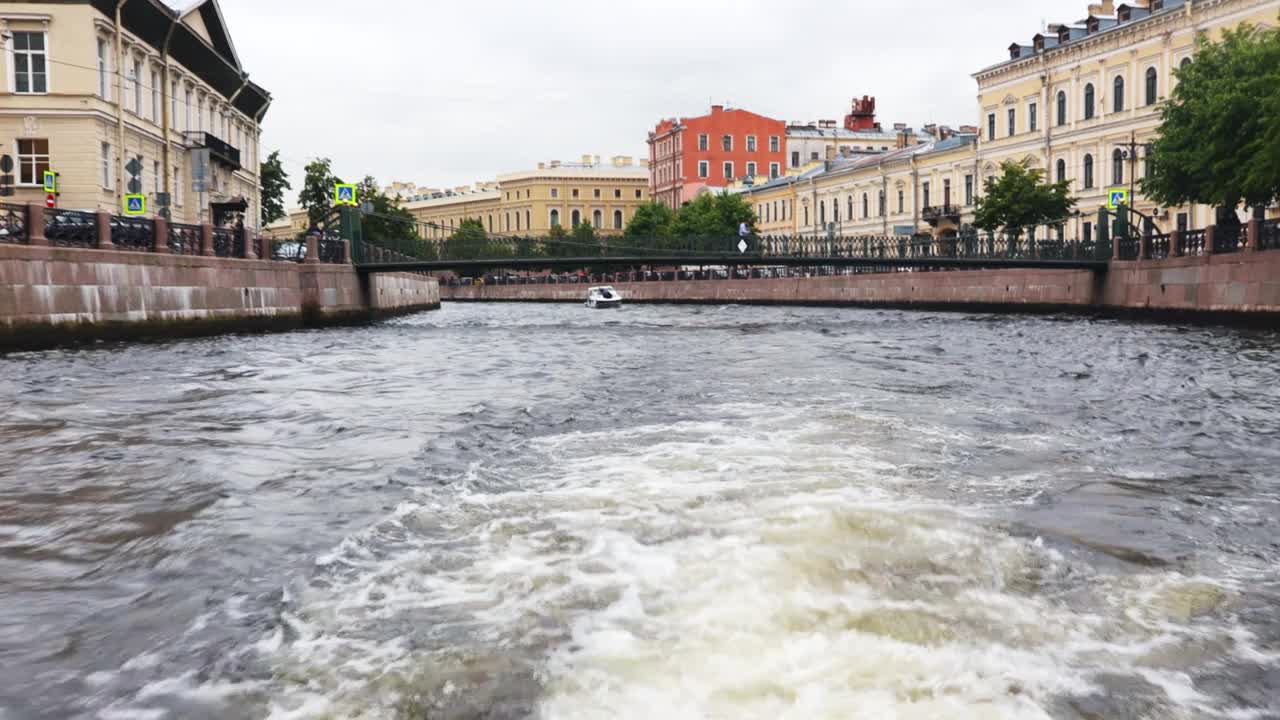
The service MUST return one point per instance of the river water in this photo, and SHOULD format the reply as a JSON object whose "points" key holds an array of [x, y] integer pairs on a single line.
{"points": [[537, 511]]}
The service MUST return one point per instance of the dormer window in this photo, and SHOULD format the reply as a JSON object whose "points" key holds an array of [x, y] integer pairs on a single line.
{"points": [[1015, 51], [1157, 5]]}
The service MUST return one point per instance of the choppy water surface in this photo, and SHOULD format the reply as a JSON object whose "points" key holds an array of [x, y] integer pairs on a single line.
{"points": [[547, 512]]}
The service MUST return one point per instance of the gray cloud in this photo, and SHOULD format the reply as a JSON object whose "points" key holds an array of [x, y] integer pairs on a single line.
{"points": [[446, 93]]}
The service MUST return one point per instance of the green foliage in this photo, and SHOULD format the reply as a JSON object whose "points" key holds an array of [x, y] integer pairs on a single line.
{"points": [[1219, 142], [652, 222], [711, 222], [584, 240], [317, 190], [469, 241], [274, 181], [1019, 198], [385, 219]]}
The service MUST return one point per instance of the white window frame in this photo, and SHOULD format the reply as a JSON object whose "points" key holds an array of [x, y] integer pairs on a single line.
{"points": [[155, 170], [186, 124], [704, 142], [104, 68], [157, 102], [775, 171], [752, 144], [729, 137], [108, 177], [728, 168], [177, 185], [775, 144], [751, 169], [11, 61], [137, 86], [704, 169], [37, 176]]}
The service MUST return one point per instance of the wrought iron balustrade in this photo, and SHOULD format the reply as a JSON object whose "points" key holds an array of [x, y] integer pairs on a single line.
{"points": [[1269, 235], [1229, 239], [185, 239], [289, 250], [1192, 243], [128, 233], [1158, 247], [71, 228], [333, 250], [13, 224], [1129, 247], [224, 243]]}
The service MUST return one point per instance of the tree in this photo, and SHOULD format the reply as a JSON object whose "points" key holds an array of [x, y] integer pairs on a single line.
{"points": [[469, 241], [274, 181], [384, 219], [584, 242], [317, 190], [1219, 140], [711, 222], [1019, 198], [650, 227]]}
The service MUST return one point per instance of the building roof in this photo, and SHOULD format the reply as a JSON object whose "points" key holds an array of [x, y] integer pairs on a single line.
{"points": [[213, 58], [628, 172]]}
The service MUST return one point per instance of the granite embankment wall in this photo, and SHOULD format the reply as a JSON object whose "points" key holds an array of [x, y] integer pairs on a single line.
{"points": [[50, 295], [1236, 286]]}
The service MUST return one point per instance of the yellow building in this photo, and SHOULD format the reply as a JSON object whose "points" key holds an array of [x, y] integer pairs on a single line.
{"points": [[1080, 101], [532, 201], [89, 89]]}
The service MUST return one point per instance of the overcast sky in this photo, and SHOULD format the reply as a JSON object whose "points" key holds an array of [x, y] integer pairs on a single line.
{"points": [[447, 93]]}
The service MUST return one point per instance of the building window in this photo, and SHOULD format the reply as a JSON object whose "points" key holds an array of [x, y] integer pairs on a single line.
{"points": [[1088, 233], [597, 193], [186, 125], [968, 190], [30, 72], [946, 193], [1117, 98], [775, 144], [177, 185], [806, 214], [1088, 101], [1032, 119], [813, 156], [751, 143], [33, 161], [751, 169], [1062, 108], [155, 171], [528, 219], [704, 142], [835, 211], [574, 192], [137, 86], [1153, 86], [490, 223], [555, 218], [1185, 62], [517, 221], [1148, 166], [555, 192], [704, 169], [597, 219], [822, 213], [881, 203], [1117, 167], [617, 219], [639, 194], [102, 69], [1062, 170], [728, 171], [991, 126], [106, 165], [901, 202], [924, 193], [726, 143], [1013, 122], [200, 114], [1088, 172], [157, 104], [795, 159], [617, 193], [774, 171]]}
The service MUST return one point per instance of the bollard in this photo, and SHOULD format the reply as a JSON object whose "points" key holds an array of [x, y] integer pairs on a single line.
{"points": [[206, 240], [1255, 235], [104, 231], [1144, 247], [160, 236], [1175, 244], [35, 225]]}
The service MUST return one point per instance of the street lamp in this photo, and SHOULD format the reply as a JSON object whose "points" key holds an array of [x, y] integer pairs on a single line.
{"points": [[1131, 151]]}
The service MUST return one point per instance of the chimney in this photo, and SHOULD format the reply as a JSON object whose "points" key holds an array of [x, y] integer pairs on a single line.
{"points": [[542, 166], [555, 163], [717, 109], [899, 126], [586, 159], [905, 138], [595, 160], [863, 114]]}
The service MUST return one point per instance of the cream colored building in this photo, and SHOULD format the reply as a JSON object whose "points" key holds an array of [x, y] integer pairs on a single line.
{"points": [[1070, 101], [532, 201], [87, 89]]}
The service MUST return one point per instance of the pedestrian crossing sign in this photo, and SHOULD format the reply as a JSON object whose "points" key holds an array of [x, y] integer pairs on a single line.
{"points": [[50, 181], [344, 194], [135, 204], [1117, 197]]}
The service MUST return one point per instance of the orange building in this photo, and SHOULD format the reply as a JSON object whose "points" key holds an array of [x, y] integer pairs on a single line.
{"points": [[690, 154]]}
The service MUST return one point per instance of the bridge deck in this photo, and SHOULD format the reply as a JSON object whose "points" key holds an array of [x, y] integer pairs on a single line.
{"points": [[958, 263]]}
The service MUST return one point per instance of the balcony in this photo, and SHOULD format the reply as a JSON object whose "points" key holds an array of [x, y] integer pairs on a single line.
{"points": [[219, 150], [942, 213]]}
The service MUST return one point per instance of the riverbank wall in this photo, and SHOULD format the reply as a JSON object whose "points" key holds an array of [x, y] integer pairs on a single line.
{"points": [[52, 296], [1237, 286]]}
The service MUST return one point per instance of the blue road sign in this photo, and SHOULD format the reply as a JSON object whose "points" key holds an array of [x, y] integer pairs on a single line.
{"points": [[135, 204]]}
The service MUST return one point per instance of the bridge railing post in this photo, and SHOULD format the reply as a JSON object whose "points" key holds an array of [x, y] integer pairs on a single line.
{"points": [[1255, 235], [160, 236], [1175, 244], [35, 225], [313, 249], [250, 244], [206, 240], [104, 231]]}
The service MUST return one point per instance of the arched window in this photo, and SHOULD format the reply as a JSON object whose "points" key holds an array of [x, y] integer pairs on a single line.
{"points": [[576, 218], [1062, 170], [1117, 167], [555, 218], [1088, 101], [835, 210], [849, 203], [597, 219], [1088, 171], [528, 219], [1117, 95], [866, 206], [517, 221], [508, 225], [490, 223], [882, 203], [822, 212], [1185, 62], [1153, 85], [617, 219], [1062, 108]]}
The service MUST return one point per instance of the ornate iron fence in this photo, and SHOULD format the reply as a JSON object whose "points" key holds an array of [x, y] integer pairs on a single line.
{"points": [[132, 233], [332, 250], [71, 228], [13, 224], [289, 250], [224, 243], [1192, 243], [1230, 239], [184, 239], [1269, 237], [1129, 247], [1158, 247]]}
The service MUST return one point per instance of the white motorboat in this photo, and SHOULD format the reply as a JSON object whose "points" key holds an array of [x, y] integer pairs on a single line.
{"points": [[603, 298]]}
